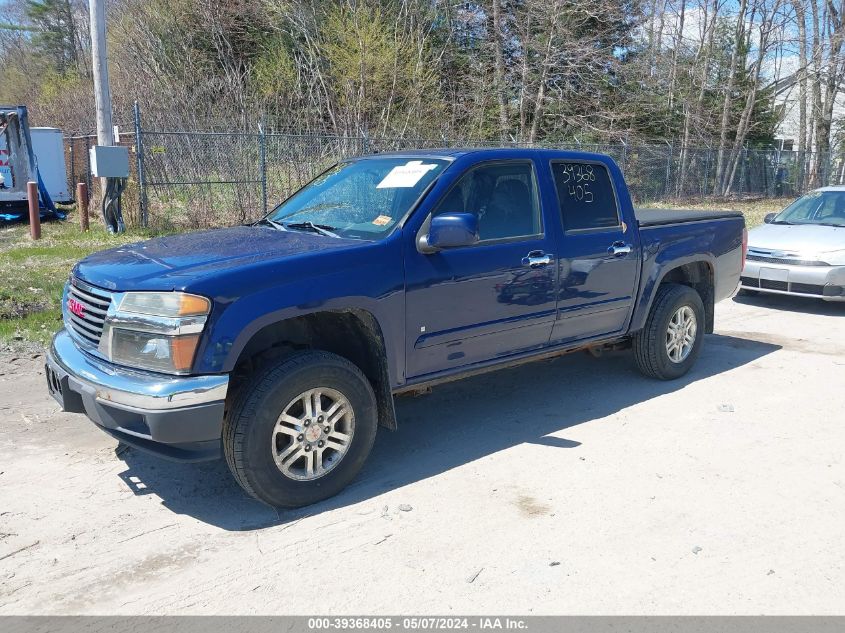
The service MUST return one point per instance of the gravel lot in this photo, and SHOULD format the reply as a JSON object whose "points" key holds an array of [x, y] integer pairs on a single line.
{"points": [[569, 486]]}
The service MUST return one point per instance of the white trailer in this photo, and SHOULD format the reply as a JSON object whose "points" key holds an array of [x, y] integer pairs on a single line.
{"points": [[48, 144]]}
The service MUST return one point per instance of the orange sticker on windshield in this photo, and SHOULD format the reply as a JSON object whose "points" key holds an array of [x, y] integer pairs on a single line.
{"points": [[382, 220]]}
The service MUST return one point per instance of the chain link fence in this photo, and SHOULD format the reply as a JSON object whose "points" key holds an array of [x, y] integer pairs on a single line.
{"points": [[216, 178], [187, 179], [78, 166]]}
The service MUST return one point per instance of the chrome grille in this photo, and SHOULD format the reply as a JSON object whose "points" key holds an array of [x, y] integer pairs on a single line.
{"points": [[86, 322], [780, 257], [783, 260]]}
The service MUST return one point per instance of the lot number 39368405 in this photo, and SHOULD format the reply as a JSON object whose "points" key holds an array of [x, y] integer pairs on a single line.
{"points": [[577, 178]]}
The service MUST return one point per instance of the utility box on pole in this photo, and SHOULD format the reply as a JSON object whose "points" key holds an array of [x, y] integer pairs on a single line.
{"points": [[109, 161]]}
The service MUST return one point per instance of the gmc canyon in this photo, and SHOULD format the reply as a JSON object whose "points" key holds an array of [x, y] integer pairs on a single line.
{"points": [[281, 344]]}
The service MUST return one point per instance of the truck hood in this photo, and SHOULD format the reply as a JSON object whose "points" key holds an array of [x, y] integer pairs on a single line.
{"points": [[797, 238], [177, 261]]}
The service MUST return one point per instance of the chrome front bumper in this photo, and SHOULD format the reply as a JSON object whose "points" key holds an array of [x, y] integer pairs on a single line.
{"points": [[179, 417], [819, 282]]}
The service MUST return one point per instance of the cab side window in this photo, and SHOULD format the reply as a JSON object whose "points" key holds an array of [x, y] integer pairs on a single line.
{"points": [[585, 195], [502, 195]]}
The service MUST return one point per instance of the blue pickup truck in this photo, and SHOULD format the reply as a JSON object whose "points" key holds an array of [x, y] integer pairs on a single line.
{"points": [[281, 344]]}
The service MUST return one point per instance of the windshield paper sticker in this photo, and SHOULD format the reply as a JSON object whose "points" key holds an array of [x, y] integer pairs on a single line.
{"points": [[382, 220], [407, 175]]}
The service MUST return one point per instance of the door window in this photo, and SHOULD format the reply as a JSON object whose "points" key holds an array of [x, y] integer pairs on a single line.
{"points": [[503, 196], [586, 196]]}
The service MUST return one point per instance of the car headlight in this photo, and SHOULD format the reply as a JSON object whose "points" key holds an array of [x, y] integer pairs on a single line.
{"points": [[834, 258], [164, 304], [158, 331]]}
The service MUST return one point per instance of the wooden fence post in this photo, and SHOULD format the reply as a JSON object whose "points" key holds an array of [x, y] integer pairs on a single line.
{"points": [[34, 213], [82, 205]]}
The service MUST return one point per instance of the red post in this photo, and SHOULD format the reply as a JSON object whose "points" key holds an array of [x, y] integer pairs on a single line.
{"points": [[34, 214], [82, 204]]}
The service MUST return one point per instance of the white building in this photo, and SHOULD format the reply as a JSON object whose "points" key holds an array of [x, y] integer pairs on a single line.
{"points": [[789, 128]]}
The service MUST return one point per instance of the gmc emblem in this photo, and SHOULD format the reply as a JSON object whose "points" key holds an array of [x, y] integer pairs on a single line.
{"points": [[76, 308]]}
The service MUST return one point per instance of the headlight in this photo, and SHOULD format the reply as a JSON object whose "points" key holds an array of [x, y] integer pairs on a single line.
{"points": [[158, 331], [834, 258], [169, 354], [164, 304]]}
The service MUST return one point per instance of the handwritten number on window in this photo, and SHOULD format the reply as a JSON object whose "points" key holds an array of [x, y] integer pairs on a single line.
{"points": [[578, 178]]}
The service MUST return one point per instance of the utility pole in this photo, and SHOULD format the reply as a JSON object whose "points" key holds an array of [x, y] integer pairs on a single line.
{"points": [[102, 91]]}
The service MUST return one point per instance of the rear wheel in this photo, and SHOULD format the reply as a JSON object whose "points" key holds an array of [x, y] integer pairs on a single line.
{"points": [[302, 431], [669, 344]]}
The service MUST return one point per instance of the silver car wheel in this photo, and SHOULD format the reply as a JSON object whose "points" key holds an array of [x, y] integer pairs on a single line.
{"points": [[313, 433], [680, 336]]}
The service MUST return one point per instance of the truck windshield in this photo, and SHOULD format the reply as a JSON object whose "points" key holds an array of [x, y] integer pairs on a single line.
{"points": [[361, 199], [818, 207]]}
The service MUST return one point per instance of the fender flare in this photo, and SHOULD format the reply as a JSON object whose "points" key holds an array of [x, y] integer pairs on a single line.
{"points": [[379, 375], [650, 289]]}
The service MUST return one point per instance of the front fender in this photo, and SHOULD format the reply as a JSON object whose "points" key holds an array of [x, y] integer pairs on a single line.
{"points": [[369, 286], [226, 349]]}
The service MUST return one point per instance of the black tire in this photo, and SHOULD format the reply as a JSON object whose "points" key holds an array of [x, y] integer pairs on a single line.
{"points": [[649, 344], [248, 428]]}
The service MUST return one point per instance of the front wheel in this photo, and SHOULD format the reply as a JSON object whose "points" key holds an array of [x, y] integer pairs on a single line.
{"points": [[302, 430], [668, 345]]}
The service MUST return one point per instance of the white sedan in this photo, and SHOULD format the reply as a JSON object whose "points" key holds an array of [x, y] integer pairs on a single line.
{"points": [[801, 250]]}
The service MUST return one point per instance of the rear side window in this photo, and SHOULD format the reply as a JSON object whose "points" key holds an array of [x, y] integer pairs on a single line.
{"points": [[585, 195]]}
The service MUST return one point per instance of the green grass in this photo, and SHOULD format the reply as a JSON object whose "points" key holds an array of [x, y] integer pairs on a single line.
{"points": [[32, 275]]}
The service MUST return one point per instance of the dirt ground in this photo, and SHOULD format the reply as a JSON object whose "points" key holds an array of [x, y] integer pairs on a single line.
{"points": [[570, 486]]}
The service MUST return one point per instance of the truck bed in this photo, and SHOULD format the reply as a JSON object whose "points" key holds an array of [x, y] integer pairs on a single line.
{"points": [[668, 236], [658, 217]]}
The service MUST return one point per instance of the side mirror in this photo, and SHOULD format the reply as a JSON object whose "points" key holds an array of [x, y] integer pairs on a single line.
{"points": [[769, 217], [450, 230]]}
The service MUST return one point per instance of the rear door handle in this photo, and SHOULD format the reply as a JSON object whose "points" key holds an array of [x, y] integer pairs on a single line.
{"points": [[619, 249], [536, 259]]}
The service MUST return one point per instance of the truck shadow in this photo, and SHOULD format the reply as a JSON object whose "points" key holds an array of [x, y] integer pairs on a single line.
{"points": [[458, 423], [793, 304]]}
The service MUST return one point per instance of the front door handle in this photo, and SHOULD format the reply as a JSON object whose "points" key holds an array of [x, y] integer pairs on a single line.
{"points": [[536, 259], [619, 249]]}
